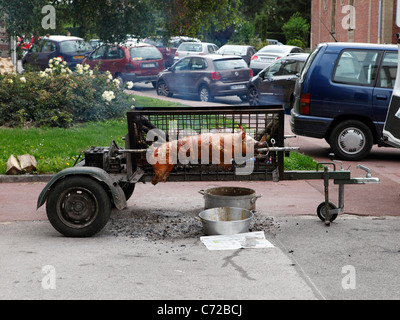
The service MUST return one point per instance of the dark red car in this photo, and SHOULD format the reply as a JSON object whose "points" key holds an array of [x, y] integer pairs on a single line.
{"points": [[136, 62], [166, 50]]}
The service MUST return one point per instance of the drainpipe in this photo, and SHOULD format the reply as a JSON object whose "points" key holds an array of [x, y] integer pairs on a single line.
{"points": [[380, 22], [13, 48]]}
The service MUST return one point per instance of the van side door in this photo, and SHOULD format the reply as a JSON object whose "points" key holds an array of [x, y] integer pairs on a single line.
{"points": [[352, 84], [384, 88]]}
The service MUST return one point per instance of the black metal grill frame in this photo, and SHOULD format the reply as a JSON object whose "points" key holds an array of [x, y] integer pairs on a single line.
{"points": [[266, 167]]}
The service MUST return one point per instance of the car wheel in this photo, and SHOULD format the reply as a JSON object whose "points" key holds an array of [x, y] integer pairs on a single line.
{"points": [[204, 94], [78, 206], [163, 89], [351, 140], [253, 97]]}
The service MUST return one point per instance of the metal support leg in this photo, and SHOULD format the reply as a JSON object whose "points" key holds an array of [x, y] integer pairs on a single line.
{"points": [[341, 198], [326, 191]]}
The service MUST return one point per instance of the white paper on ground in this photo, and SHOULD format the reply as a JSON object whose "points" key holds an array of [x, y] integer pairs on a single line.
{"points": [[237, 241]]}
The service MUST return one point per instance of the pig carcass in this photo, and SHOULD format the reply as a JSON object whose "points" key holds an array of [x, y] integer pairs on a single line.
{"points": [[205, 148]]}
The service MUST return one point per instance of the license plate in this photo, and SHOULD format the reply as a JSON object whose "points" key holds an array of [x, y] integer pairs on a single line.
{"points": [[148, 65], [238, 86], [79, 57]]}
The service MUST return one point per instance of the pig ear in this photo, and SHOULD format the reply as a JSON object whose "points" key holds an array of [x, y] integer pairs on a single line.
{"points": [[243, 133]]}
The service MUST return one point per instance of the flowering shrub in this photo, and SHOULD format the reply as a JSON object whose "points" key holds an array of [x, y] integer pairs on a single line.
{"points": [[60, 97]]}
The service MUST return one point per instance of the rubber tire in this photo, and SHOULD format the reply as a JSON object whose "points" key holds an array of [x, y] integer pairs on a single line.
{"points": [[253, 97], [162, 89], [351, 125], [85, 191], [205, 94], [321, 211]]}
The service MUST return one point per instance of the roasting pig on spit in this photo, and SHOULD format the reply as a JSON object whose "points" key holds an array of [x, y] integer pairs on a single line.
{"points": [[205, 148]]}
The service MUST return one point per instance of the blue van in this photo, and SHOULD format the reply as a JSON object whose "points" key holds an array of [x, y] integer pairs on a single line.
{"points": [[343, 94]]}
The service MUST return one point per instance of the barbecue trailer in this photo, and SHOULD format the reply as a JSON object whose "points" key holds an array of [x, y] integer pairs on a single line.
{"points": [[184, 144]]}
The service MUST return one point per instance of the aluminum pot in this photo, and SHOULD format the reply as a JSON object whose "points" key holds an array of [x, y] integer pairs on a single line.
{"points": [[225, 220], [230, 197]]}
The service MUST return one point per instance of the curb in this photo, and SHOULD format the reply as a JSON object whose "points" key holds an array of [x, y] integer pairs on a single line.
{"points": [[25, 178]]}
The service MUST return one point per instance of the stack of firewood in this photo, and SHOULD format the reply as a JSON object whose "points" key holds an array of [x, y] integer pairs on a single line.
{"points": [[25, 163], [6, 66]]}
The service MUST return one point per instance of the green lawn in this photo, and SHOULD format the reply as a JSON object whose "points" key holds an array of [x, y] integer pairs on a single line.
{"points": [[56, 149]]}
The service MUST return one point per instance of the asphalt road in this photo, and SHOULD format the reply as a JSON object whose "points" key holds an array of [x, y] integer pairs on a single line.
{"points": [[149, 91]]}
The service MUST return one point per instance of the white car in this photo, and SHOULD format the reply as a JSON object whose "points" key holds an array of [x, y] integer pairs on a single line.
{"points": [[191, 48], [267, 55]]}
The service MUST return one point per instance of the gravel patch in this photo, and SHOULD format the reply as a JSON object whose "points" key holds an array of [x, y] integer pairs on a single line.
{"points": [[170, 225]]}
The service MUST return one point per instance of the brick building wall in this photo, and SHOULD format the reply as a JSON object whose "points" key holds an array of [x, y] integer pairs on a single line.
{"points": [[4, 43], [370, 21]]}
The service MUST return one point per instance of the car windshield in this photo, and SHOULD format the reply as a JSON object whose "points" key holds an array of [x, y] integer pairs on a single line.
{"points": [[73, 46], [229, 64], [274, 49], [232, 50], [193, 47], [145, 53]]}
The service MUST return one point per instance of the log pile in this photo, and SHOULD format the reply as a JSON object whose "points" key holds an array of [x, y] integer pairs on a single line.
{"points": [[6, 66], [25, 163]]}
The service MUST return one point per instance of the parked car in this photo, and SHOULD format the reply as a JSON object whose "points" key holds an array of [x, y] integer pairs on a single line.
{"points": [[192, 48], [136, 62], [246, 52], [342, 95], [178, 40], [273, 41], [94, 43], [267, 55], [167, 51], [275, 84], [206, 76], [70, 49]]}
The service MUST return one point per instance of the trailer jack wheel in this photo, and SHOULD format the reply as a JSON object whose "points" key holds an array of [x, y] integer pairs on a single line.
{"points": [[321, 211]]}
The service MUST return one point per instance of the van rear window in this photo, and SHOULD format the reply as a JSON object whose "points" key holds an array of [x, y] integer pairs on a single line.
{"points": [[357, 67], [308, 63]]}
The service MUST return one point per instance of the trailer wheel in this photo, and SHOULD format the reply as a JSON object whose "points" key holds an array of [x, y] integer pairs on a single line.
{"points": [[321, 211], [78, 206]]}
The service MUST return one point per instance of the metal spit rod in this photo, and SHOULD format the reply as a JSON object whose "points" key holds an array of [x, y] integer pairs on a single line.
{"points": [[270, 149]]}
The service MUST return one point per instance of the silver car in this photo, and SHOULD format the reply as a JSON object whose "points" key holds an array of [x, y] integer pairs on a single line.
{"points": [[267, 55], [192, 48]]}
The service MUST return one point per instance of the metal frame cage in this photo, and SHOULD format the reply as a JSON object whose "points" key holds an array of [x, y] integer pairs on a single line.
{"points": [[266, 124]]}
